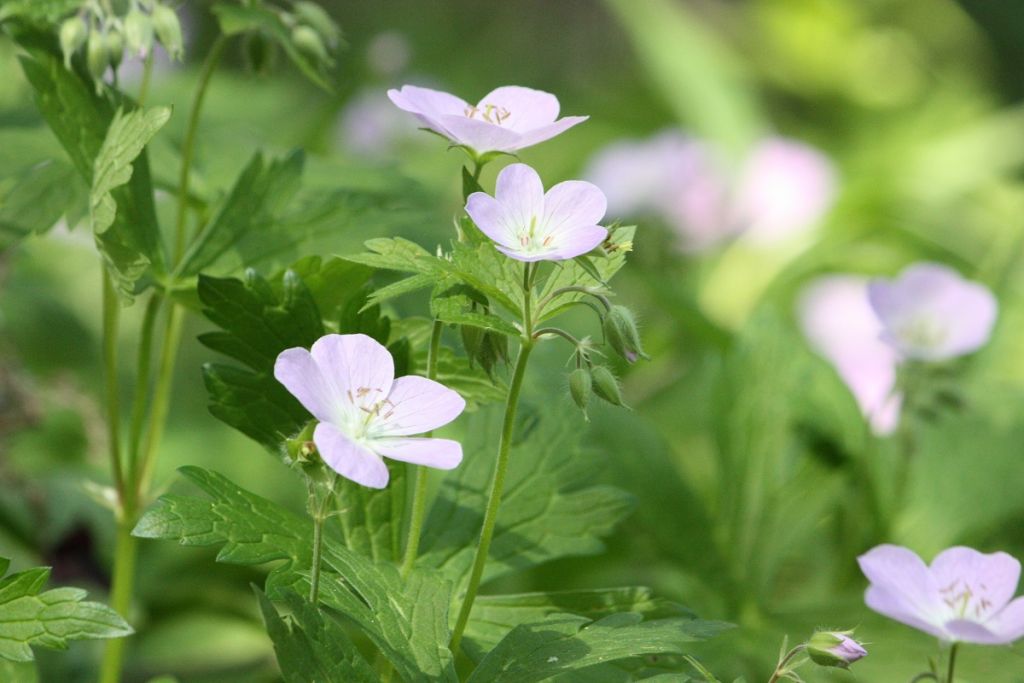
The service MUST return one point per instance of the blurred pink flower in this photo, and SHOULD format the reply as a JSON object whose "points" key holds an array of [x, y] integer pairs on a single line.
{"points": [[529, 225], [964, 596], [931, 313], [507, 119], [782, 188], [840, 325], [347, 382], [370, 126]]}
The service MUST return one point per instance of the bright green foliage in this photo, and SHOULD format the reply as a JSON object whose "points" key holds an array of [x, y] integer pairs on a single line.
{"points": [[41, 12], [456, 310], [575, 272], [30, 618], [550, 507], [127, 136], [310, 645], [83, 122], [565, 642]]}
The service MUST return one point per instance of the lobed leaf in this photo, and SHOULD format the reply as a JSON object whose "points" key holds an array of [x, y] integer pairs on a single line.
{"points": [[38, 198]]}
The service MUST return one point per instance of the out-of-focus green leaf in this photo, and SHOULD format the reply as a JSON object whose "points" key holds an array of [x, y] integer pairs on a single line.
{"points": [[310, 645], [494, 616], [695, 73], [30, 618], [38, 199], [564, 642], [41, 12], [549, 508], [18, 672], [127, 250]]}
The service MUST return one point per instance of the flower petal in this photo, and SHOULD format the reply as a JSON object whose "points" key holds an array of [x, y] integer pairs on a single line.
{"points": [[990, 580], [444, 454], [348, 458], [893, 605], [526, 256], [416, 405], [527, 108], [491, 217], [901, 585], [968, 631], [428, 105], [480, 136], [520, 191], [359, 368], [573, 203], [576, 241], [543, 133], [302, 377], [1009, 623]]}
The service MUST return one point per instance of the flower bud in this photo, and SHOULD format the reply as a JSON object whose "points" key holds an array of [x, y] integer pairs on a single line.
{"points": [[580, 386], [314, 16], [168, 30], [834, 648], [96, 56], [73, 33], [309, 43], [138, 32], [621, 334], [114, 44], [606, 386]]}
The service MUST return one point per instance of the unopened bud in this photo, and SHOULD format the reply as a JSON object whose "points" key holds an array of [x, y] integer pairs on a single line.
{"points": [[73, 33], [96, 56], [314, 16], [114, 43], [310, 44], [301, 449], [606, 386], [580, 386], [834, 648], [621, 333], [168, 30], [138, 32]]}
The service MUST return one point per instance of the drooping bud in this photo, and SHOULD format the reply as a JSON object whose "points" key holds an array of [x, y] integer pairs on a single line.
{"points": [[138, 32], [310, 44], [314, 16], [834, 648], [114, 43], [621, 333], [73, 33], [168, 30], [606, 386], [96, 56], [301, 449], [580, 386]]}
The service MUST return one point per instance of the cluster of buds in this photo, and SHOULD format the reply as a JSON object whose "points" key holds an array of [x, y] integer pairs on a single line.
{"points": [[313, 32], [107, 30], [590, 378]]}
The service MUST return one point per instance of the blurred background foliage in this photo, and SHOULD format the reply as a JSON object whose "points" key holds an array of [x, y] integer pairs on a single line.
{"points": [[747, 455]]}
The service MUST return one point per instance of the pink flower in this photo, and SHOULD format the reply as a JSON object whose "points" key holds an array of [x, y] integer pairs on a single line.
{"points": [[834, 648], [931, 313], [347, 381], [840, 325], [506, 120], [964, 596], [529, 225]]}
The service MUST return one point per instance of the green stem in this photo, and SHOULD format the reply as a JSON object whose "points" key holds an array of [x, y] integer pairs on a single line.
{"points": [[952, 662], [494, 498], [161, 397], [120, 595], [314, 573], [419, 500], [572, 288], [147, 74], [111, 318], [142, 376], [782, 667], [188, 147], [558, 332]]}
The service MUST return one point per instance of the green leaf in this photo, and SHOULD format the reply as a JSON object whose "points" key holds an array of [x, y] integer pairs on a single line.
{"points": [[399, 254], [125, 249], [42, 12], [51, 618], [494, 616], [82, 122], [37, 199], [401, 287], [455, 310], [563, 643], [372, 521], [549, 510], [490, 272], [407, 619], [235, 19], [310, 645]]}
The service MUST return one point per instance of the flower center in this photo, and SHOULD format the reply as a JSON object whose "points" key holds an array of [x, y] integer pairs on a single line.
{"points": [[530, 241], [923, 332], [965, 601], [368, 411], [490, 113]]}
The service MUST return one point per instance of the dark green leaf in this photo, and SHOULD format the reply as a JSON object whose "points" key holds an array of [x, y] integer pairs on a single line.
{"points": [[37, 199], [456, 310], [399, 254]]}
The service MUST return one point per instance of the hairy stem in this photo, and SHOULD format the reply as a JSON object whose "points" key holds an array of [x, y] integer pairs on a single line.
{"points": [[419, 500], [494, 498], [318, 542], [781, 669]]}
